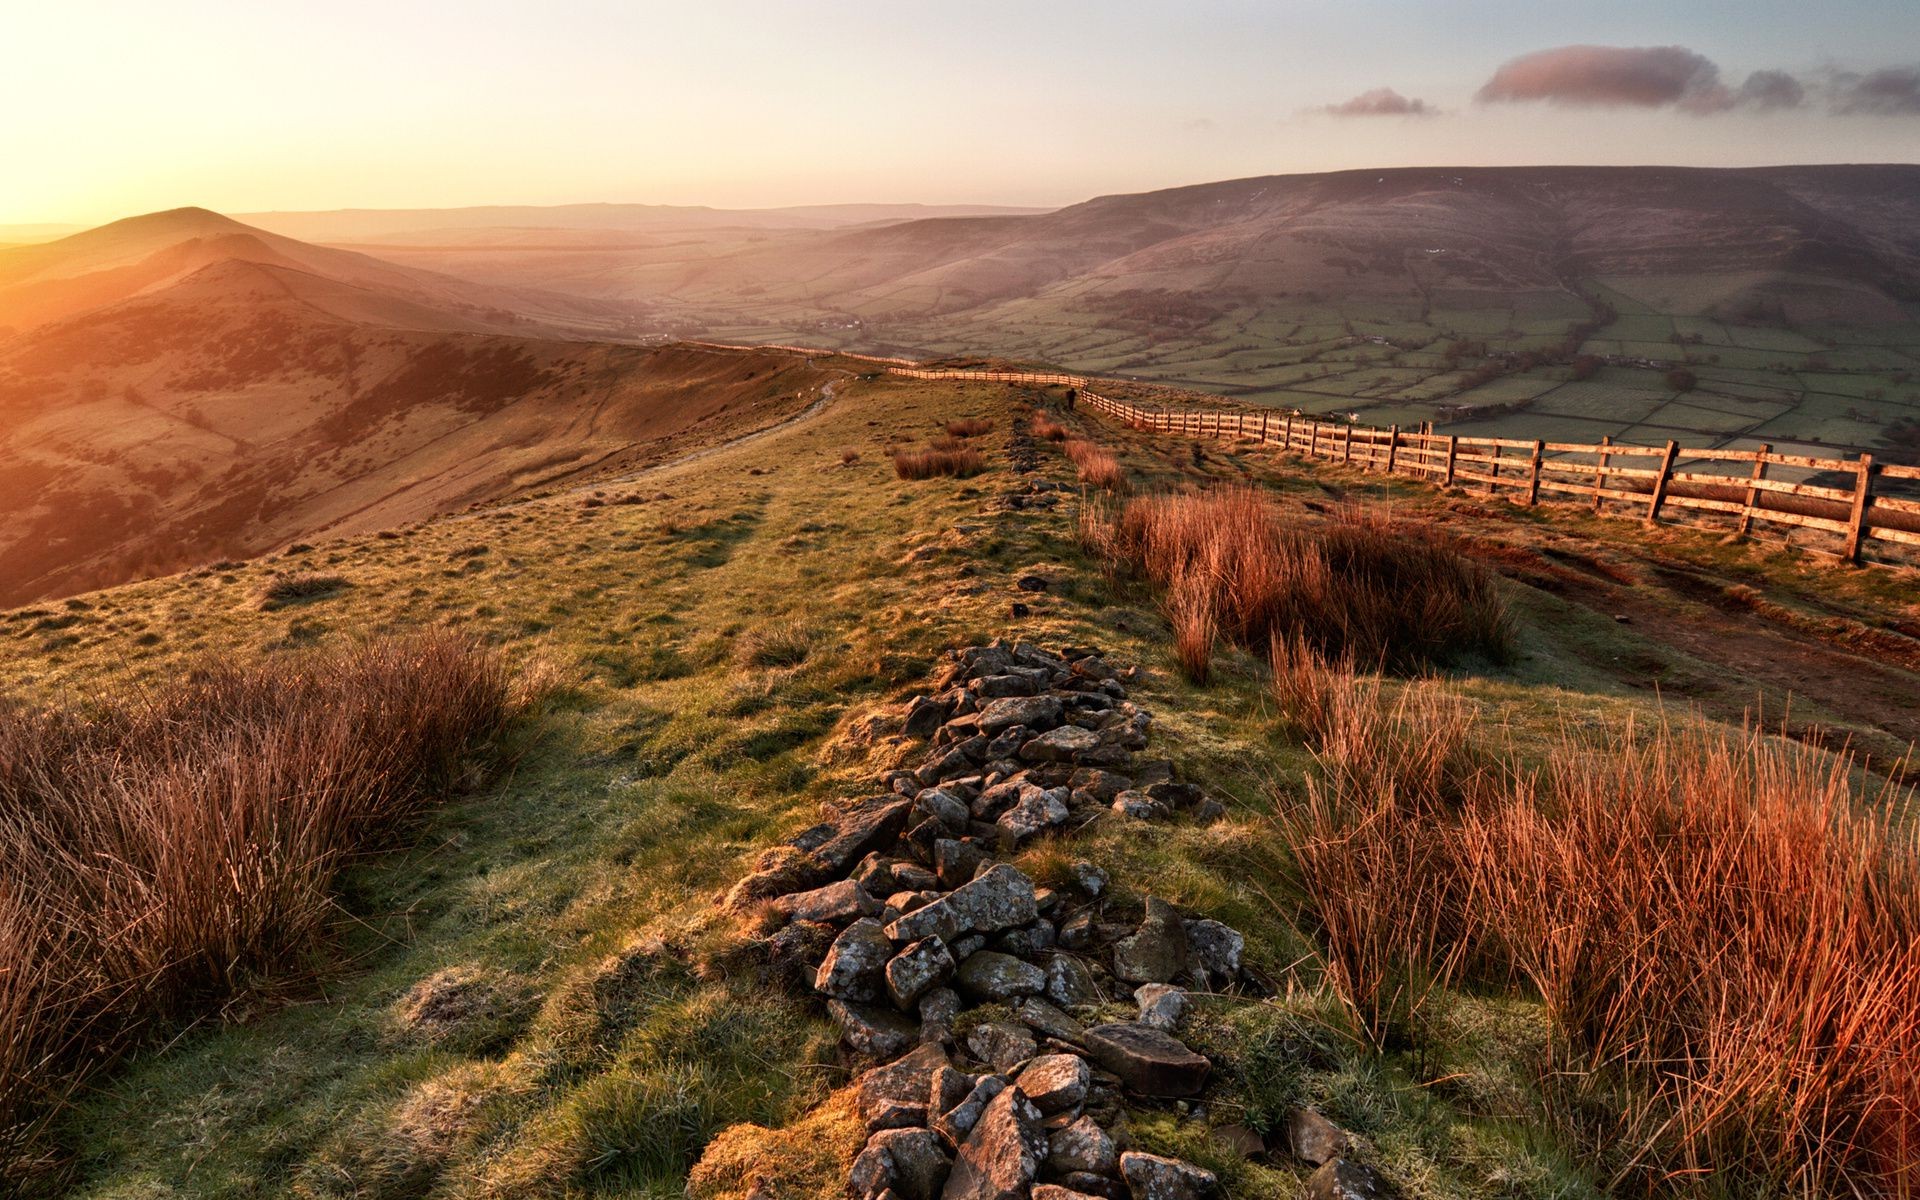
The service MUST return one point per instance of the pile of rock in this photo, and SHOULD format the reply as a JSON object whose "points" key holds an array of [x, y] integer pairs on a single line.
{"points": [[983, 996]]}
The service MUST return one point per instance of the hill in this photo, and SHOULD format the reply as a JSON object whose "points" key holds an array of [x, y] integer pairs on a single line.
{"points": [[535, 990], [1409, 295], [186, 389]]}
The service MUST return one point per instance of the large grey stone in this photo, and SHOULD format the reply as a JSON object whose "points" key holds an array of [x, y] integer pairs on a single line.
{"points": [[999, 898], [1214, 952], [1065, 744], [1082, 1146], [1002, 1155], [1156, 952], [1035, 712], [1055, 1082], [993, 977], [916, 970], [855, 965], [957, 1122], [1038, 810], [1002, 1045], [1313, 1139], [1152, 1177], [865, 827], [1069, 983], [835, 903], [1150, 1061], [1161, 1004], [1044, 1019], [903, 1081], [919, 1163], [874, 1031]]}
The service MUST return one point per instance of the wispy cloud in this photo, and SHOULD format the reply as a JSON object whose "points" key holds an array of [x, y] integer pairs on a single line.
{"points": [[1889, 92], [1380, 102], [1674, 77]]}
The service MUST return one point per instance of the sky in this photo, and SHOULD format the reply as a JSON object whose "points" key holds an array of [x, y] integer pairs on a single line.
{"points": [[114, 107]]}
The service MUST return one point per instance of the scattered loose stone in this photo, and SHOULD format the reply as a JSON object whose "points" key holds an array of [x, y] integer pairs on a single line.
{"points": [[1343, 1179], [1069, 983], [1148, 1060], [1055, 1082], [1313, 1139], [1157, 951], [1082, 1146], [856, 963], [918, 969], [1002, 1045], [994, 978], [1154, 1178], [1002, 1155], [1161, 1005]]}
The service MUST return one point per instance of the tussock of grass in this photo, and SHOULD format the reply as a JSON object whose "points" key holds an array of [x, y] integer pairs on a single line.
{"points": [[967, 427], [933, 461], [783, 644], [283, 590], [1048, 429], [1363, 585], [1096, 465], [166, 852], [1722, 928]]}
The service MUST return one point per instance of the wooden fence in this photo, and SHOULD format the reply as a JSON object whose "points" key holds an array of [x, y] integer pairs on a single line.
{"points": [[1740, 489]]}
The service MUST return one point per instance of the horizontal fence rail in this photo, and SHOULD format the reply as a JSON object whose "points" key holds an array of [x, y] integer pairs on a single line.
{"points": [[1739, 489]]}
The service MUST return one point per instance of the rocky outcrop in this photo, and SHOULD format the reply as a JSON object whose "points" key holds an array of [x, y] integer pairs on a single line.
{"points": [[914, 917]]}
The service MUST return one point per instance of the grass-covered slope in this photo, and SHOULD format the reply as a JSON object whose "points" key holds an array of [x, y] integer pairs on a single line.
{"points": [[537, 995]]}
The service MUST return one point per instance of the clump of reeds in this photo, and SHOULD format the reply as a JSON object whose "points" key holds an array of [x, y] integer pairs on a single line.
{"points": [[958, 461], [1096, 465], [164, 851], [967, 427]]}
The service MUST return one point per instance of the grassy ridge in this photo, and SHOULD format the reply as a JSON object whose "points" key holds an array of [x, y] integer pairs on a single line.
{"points": [[542, 998]]}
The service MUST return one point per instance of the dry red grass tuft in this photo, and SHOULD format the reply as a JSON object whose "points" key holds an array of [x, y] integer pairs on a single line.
{"points": [[162, 853], [1363, 587], [1097, 465], [967, 427], [1048, 429], [925, 464], [1722, 928]]}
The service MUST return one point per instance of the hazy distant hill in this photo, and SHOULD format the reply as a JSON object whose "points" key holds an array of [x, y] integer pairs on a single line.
{"points": [[412, 224], [183, 388]]}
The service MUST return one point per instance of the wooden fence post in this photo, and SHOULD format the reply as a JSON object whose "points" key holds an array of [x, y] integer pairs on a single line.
{"points": [[1862, 496], [1286, 436], [1753, 492], [1393, 447], [1493, 480], [1660, 484], [1453, 452], [1600, 471], [1346, 451], [1533, 484]]}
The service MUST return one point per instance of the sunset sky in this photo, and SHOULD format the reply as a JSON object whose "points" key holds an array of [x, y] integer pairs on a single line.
{"points": [[116, 107]]}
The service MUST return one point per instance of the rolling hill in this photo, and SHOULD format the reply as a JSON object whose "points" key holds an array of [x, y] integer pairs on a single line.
{"points": [[185, 388]]}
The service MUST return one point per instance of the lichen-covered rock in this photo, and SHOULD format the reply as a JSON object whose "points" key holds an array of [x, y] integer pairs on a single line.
{"points": [[1002, 1156], [1161, 1004], [1156, 952], [919, 1164], [1214, 952], [835, 904], [873, 1031], [957, 1122], [1034, 712], [918, 969], [1038, 810], [1344, 1179], [1152, 1177], [904, 1080], [1047, 1021], [855, 966], [1069, 983], [937, 1010], [864, 827], [1138, 806], [1001, 1045], [994, 978], [1055, 1082], [1150, 1061], [1082, 1146], [999, 898], [1088, 878], [1062, 745]]}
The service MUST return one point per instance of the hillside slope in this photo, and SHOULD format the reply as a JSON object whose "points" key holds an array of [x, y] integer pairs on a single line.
{"points": [[541, 996]]}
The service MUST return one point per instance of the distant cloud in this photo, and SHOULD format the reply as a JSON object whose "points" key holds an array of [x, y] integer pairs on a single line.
{"points": [[1380, 102], [1603, 77], [1889, 92]]}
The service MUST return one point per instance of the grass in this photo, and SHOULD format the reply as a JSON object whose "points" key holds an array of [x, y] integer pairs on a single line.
{"points": [[1362, 585], [1720, 926], [1048, 429], [297, 586], [171, 851], [672, 761], [970, 427], [1097, 467], [937, 460]]}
